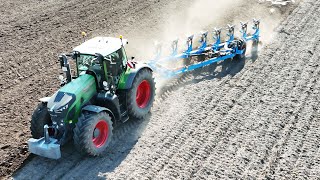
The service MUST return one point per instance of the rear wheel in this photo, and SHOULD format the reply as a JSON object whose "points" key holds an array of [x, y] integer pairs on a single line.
{"points": [[40, 117], [141, 95], [241, 46], [93, 133]]}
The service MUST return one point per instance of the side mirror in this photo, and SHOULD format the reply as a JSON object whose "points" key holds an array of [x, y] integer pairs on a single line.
{"points": [[61, 61], [65, 66]]}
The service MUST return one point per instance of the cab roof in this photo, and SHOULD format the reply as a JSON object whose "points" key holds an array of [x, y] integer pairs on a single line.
{"points": [[101, 45]]}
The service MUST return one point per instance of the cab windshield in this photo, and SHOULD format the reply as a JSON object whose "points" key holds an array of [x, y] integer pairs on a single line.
{"points": [[118, 58], [84, 61]]}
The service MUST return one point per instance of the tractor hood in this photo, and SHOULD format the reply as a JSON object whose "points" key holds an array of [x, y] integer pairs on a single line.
{"points": [[60, 101], [66, 103]]}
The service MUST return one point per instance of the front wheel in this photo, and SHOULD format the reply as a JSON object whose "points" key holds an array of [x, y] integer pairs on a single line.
{"points": [[141, 95], [40, 117], [93, 133]]}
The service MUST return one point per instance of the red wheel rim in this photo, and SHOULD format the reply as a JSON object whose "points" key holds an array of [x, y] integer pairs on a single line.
{"points": [[143, 94], [100, 133]]}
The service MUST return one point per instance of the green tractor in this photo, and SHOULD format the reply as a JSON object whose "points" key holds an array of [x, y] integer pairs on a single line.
{"points": [[105, 90]]}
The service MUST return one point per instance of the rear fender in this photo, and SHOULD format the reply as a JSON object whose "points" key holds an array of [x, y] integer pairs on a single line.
{"points": [[127, 78]]}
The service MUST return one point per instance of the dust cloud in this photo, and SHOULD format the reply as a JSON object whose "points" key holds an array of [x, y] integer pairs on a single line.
{"points": [[205, 15]]}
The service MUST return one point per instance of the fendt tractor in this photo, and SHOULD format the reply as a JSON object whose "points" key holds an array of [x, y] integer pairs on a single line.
{"points": [[105, 90]]}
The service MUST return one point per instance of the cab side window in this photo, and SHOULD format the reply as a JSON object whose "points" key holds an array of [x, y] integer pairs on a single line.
{"points": [[119, 57], [124, 57], [119, 61]]}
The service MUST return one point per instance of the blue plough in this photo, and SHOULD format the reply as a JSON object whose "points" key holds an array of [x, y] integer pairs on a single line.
{"points": [[208, 53]]}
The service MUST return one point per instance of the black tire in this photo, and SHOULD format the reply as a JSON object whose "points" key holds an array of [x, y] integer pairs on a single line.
{"points": [[40, 117], [241, 46], [85, 138], [139, 101]]}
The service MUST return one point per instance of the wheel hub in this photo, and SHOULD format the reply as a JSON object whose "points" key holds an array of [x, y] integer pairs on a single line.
{"points": [[100, 133], [143, 94]]}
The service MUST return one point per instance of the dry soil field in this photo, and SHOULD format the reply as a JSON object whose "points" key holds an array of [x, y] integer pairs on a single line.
{"points": [[252, 119]]}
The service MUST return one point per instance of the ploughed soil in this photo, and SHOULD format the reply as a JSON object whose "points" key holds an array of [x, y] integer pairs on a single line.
{"points": [[255, 118]]}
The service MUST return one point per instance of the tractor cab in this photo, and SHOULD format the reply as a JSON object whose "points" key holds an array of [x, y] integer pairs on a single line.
{"points": [[105, 57]]}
